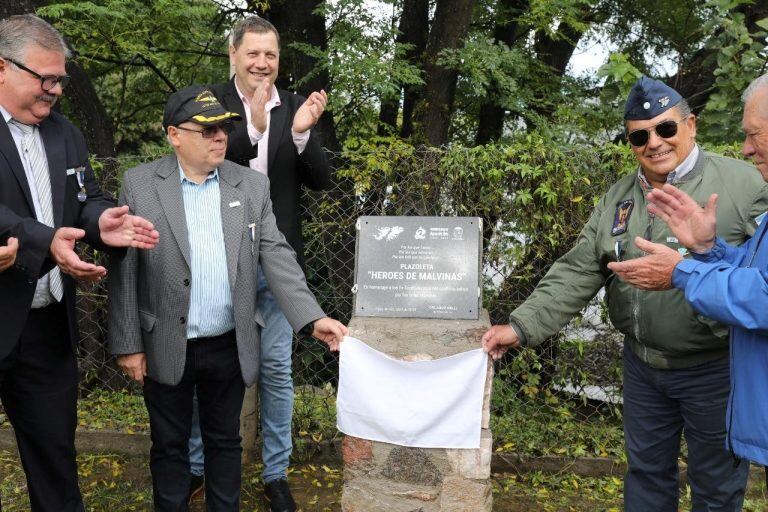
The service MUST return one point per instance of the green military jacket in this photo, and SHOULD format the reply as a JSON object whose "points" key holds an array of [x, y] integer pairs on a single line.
{"points": [[660, 327]]}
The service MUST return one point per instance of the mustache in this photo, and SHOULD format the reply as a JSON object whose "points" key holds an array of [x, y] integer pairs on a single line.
{"points": [[50, 98]]}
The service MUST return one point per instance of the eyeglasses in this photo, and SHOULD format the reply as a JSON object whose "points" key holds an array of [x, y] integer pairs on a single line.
{"points": [[665, 129], [47, 82], [210, 132]]}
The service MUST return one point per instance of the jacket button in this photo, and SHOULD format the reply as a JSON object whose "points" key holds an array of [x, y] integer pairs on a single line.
{"points": [[182, 320], [186, 282]]}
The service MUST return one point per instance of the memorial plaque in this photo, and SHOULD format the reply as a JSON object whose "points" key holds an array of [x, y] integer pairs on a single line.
{"points": [[422, 267]]}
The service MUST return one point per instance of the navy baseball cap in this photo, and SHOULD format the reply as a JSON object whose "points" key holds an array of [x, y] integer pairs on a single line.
{"points": [[649, 98], [195, 103]]}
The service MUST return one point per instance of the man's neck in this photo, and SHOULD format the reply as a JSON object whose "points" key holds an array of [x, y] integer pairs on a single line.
{"points": [[194, 173]]}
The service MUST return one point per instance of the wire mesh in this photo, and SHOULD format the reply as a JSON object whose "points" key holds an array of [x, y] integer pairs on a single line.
{"points": [[574, 379]]}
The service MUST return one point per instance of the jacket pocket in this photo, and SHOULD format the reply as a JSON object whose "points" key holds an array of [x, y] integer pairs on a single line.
{"points": [[259, 319], [147, 321]]}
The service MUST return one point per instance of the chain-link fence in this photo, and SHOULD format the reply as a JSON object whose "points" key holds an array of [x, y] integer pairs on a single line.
{"points": [[534, 199]]}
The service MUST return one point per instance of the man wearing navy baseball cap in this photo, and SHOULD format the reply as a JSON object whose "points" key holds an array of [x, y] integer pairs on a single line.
{"points": [[185, 319], [676, 370]]}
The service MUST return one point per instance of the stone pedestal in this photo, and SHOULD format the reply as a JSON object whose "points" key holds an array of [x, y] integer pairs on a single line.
{"points": [[381, 477]]}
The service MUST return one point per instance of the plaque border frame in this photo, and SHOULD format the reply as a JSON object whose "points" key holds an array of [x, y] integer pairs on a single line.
{"points": [[478, 304]]}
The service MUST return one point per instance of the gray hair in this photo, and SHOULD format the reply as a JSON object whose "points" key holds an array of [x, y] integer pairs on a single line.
{"points": [[684, 108], [754, 85], [19, 33], [255, 24]]}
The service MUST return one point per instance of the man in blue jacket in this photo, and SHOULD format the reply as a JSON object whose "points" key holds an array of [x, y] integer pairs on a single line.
{"points": [[723, 282]]}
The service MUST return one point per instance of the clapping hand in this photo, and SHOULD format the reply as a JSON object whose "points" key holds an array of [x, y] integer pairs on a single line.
{"points": [[693, 225], [309, 113], [650, 272], [63, 253], [121, 229]]}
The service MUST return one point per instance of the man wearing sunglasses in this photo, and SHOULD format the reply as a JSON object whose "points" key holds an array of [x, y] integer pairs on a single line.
{"points": [[676, 374], [721, 281], [184, 319], [49, 199]]}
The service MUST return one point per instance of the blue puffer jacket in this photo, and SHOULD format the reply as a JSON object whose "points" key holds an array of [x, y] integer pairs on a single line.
{"points": [[730, 284]]}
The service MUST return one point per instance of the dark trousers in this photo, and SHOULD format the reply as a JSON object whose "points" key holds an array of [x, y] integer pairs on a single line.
{"points": [[658, 406], [212, 366], [38, 388]]}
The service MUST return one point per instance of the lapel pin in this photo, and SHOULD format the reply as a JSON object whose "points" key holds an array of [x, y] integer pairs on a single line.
{"points": [[234, 203], [81, 195]]}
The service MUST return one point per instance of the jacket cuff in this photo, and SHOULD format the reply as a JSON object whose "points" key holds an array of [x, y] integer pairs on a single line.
{"points": [[683, 272], [521, 336], [716, 253]]}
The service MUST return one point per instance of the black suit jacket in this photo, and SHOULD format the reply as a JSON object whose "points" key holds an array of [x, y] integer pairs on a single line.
{"points": [[286, 169], [65, 149]]}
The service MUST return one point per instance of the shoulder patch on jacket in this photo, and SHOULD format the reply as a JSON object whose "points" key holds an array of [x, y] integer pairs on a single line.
{"points": [[621, 217]]}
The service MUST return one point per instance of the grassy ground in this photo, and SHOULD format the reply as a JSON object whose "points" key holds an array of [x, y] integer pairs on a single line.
{"points": [[117, 483], [542, 425]]}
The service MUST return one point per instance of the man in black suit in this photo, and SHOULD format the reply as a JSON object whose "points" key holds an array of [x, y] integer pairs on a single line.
{"points": [[49, 199], [274, 137]]}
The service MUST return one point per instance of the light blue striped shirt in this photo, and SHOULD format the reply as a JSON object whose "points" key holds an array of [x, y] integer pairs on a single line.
{"points": [[210, 305]]}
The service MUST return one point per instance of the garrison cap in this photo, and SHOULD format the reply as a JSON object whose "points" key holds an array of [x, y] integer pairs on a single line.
{"points": [[195, 103], [649, 98]]}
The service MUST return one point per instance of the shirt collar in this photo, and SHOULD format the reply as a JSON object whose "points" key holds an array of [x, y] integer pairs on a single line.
{"points": [[212, 176], [274, 97], [677, 174], [6, 115]]}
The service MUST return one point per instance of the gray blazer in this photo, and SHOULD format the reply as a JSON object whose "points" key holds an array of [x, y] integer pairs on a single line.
{"points": [[149, 291]]}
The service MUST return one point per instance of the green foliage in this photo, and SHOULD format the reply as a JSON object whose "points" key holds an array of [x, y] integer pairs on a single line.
{"points": [[521, 425], [619, 75], [740, 57], [364, 64], [136, 52]]}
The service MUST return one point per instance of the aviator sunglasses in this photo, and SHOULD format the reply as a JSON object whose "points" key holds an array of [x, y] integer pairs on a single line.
{"points": [[665, 129]]}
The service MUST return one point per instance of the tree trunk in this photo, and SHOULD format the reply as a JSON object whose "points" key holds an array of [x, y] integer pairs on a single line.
{"points": [[413, 30], [555, 51], [90, 113], [298, 23], [448, 31], [491, 117]]}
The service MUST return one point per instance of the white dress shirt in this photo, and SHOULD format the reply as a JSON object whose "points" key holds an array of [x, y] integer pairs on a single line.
{"points": [[262, 139]]}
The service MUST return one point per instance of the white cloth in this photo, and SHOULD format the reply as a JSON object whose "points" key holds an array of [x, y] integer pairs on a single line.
{"points": [[425, 404]]}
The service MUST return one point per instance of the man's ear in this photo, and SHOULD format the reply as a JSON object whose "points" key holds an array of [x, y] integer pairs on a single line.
{"points": [[4, 64], [173, 136], [691, 122]]}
